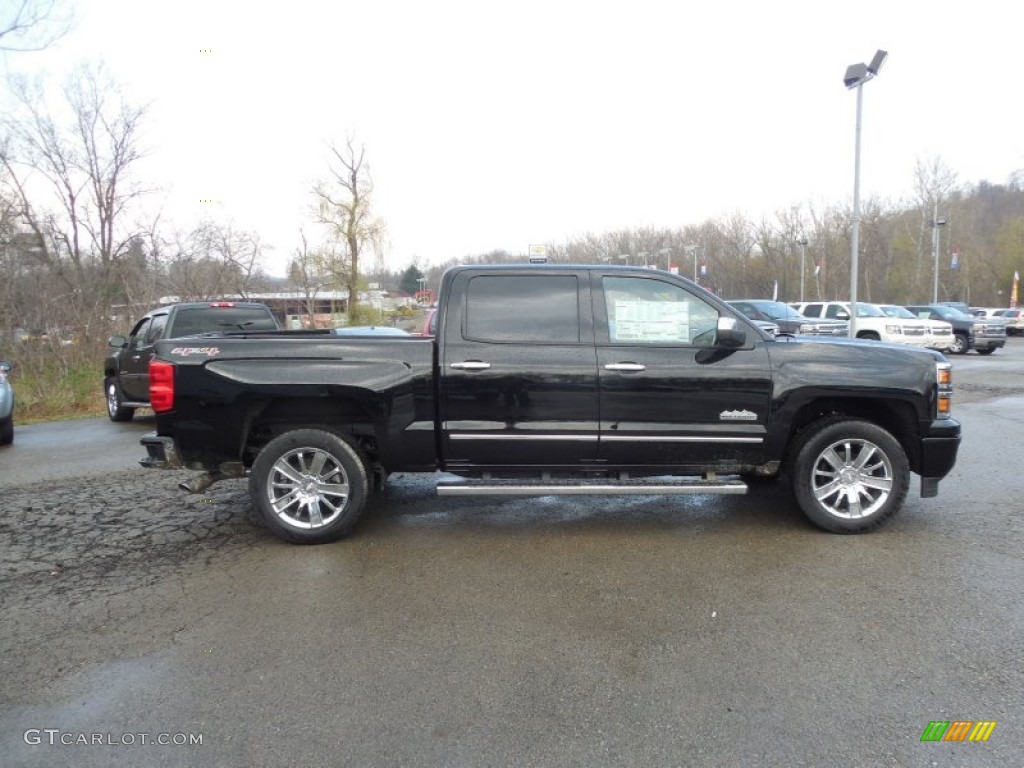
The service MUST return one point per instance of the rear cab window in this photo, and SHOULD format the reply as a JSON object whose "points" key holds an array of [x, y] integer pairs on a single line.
{"points": [[195, 320]]}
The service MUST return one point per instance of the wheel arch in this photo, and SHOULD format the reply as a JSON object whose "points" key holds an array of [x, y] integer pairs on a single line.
{"points": [[898, 417], [350, 417]]}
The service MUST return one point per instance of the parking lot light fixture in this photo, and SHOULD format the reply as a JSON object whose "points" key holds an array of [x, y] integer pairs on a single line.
{"points": [[692, 250], [668, 261], [936, 223], [802, 242], [856, 76]]}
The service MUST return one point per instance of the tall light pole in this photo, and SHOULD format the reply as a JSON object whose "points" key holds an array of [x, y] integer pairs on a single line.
{"points": [[666, 253], [802, 242], [856, 76], [936, 223], [692, 249]]}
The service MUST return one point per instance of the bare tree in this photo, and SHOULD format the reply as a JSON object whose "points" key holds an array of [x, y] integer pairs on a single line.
{"points": [[212, 261], [344, 205], [86, 164], [310, 272], [32, 25]]}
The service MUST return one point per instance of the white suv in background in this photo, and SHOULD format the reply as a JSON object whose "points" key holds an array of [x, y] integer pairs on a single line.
{"points": [[872, 323], [939, 331]]}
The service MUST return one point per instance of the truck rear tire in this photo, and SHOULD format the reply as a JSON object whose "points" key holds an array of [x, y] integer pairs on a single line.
{"points": [[115, 401], [849, 475], [309, 485], [7, 430]]}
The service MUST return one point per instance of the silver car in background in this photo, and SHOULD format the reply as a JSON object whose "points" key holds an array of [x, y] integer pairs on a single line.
{"points": [[6, 405]]}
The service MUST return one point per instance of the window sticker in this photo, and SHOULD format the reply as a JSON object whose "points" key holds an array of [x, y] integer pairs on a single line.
{"points": [[649, 321]]}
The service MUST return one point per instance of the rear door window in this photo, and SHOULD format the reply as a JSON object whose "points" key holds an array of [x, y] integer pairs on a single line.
{"points": [[523, 308], [156, 329]]}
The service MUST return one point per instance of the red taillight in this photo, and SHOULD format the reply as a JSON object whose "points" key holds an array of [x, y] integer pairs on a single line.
{"points": [[222, 303], [161, 385]]}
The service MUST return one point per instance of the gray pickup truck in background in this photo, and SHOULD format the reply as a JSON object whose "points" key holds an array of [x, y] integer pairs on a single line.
{"points": [[126, 369]]}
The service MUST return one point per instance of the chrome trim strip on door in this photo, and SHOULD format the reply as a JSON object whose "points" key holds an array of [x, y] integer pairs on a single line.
{"points": [[592, 438], [502, 436], [675, 439]]}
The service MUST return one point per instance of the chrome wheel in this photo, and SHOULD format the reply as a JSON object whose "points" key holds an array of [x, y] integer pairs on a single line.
{"points": [[307, 488], [852, 478], [113, 401], [310, 485], [849, 475]]}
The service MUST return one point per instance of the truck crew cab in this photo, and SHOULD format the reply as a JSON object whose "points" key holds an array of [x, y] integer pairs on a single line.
{"points": [[555, 379]]}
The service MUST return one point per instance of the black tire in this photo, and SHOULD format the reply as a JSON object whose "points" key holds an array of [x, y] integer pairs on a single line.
{"points": [[960, 344], [299, 474], [115, 401], [7, 430], [986, 350], [863, 461], [869, 336]]}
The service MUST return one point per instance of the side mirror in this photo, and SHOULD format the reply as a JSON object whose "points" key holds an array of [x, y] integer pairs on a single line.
{"points": [[729, 333], [842, 314], [5, 366], [117, 341]]}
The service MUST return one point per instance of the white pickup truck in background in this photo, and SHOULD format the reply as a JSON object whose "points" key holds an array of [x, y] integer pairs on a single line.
{"points": [[872, 323]]}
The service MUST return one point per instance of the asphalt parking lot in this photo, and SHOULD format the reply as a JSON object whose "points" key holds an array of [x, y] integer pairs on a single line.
{"points": [[526, 632]]}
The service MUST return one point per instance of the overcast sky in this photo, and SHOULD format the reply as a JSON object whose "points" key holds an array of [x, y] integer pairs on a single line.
{"points": [[495, 126]]}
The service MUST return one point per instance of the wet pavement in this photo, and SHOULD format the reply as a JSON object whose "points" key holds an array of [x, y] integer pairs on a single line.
{"points": [[522, 632]]}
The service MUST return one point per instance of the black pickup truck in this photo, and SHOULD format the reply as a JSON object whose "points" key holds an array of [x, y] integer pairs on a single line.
{"points": [[555, 380], [126, 369]]}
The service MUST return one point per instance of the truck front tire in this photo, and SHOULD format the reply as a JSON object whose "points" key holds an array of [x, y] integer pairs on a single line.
{"points": [[849, 475], [115, 401], [310, 486]]}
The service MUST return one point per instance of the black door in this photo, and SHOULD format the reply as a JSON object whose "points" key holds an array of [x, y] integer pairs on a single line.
{"points": [[668, 397], [135, 360], [518, 371]]}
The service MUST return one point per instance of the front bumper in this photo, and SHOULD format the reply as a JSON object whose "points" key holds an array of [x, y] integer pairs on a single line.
{"points": [[161, 452], [987, 342], [939, 448]]}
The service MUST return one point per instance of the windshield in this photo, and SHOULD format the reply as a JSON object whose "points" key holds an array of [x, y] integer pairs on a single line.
{"points": [[776, 310], [867, 310], [893, 311], [947, 313]]}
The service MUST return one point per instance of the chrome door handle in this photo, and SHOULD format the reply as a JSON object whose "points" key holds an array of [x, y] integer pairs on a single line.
{"points": [[631, 367], [471, 365]]}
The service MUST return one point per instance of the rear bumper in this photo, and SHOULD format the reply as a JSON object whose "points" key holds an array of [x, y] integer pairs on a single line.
{"points": [[161, 452]]}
